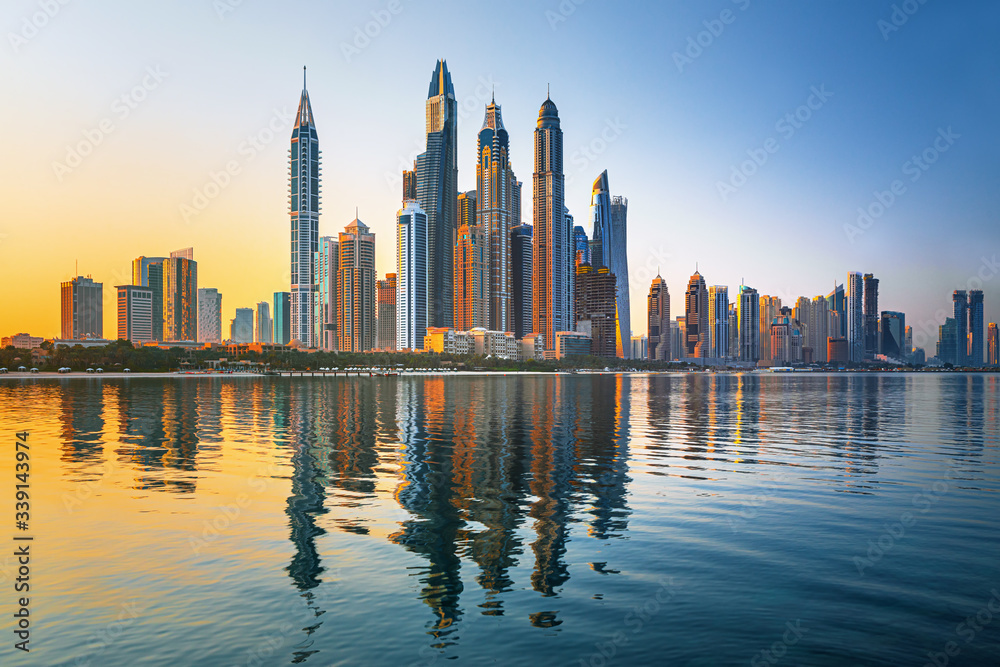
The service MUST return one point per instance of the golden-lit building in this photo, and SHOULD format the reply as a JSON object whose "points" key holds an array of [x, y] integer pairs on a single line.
{"points": [[471, 278], [356, 289]]}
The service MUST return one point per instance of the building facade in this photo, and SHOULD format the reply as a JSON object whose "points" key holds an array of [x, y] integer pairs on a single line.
{"points": [[135, 313], [748, 317], [437, 192], [522, 284], [241, 326], [595, 309], [658, 321], [871, 316], [327, 267], [304, 209], [412, 283], [82, 308], [618, 266], [356, 289], [282, 317], [471, 277], [697, 336], [263, 325], [854, 311], [209, 315], [386, 293], [892, 329], [148, 272], [718, 321], [992, 350], [977, 326], [180, 298]]}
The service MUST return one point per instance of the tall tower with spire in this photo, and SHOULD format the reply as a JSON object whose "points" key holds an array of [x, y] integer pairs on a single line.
{"points": [[437, 192], [495, 205], [553, 271], [304, 209]]}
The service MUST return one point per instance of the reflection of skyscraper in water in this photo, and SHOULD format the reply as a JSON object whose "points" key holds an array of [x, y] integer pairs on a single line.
{"points": [[604, 450], [426, 493], [349, 444], [82, 417], [180, 430], [551, 469]]}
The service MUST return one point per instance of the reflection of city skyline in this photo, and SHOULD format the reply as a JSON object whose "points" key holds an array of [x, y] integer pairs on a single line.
{"points": [[496, 496]]}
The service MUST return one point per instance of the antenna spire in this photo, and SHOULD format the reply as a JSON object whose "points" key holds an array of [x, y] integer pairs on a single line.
{"points": [[548, 91], [303, 77]]}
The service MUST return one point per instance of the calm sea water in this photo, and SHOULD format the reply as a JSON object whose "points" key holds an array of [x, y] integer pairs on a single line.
{"points": [[525, 520]]}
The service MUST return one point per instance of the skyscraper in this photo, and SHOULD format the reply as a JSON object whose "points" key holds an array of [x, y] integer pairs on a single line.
{"points": [[836, 302], [263, 327], [356, 289], [748, 317], [180, 297], [467, 208], [437, 192], [471, 277], [976, 327], [411, 277], [853, 305], [595, 308], [387, 312], [581, 245], [551, 300], [600, 218], [618, 265], [241, 326], [282, 317], [658, 318], [770, 306], [209, 315], [410, 184], [892, 328], [718, 321], [304, 210], [521, 264], [818, 328], [696, 339], [82, 302], [148, 272], [327, 266], [992, 349], [135, 313], [960, 301], [871, 316], [495, 181]]}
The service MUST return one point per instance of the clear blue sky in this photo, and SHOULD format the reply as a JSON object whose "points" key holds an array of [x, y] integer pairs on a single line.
{"points": [[676, 128]]}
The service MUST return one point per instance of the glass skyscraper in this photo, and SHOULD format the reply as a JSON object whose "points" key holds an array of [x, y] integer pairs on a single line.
{"points": [[855, 317], [437, 192], [282, 314], [521, 269], [960, 299], [411, 277], [304, 210], [976, 327]]}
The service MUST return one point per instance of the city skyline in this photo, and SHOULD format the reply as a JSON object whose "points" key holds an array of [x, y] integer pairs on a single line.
{"points": [[917, 281]]}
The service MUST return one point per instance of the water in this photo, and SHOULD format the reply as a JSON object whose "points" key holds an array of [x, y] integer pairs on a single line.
{"points": [[578, 520]]}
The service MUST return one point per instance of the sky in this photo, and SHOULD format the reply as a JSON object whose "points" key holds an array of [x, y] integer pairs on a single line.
{"points": [[748, 137]]}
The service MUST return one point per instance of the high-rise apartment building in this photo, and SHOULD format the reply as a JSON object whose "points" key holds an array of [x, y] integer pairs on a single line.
{"points": [[696, 339], [82, 308], [180, 297], [854, 312], [148, 272], [992, 350], [619, 267], [553, 274], [977, 325], [770, 307], [748, 317], [304, 209], [658, 318], [718, 321], [892, 328], [327, 267], [356, 289], [437, 192], [818, 328], [581, 245], [522, 284], [209, 315], [960, 301], [471, 278], [135, 313], [871, 316], [387, 312], [411, 277], [282, 317], [241, 326], [836, 302], [495, 200], [263, 325], [595, 309]]}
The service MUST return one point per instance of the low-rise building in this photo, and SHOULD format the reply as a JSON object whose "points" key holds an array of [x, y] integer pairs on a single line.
{"points": [[571, 343], [22, 341]]}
